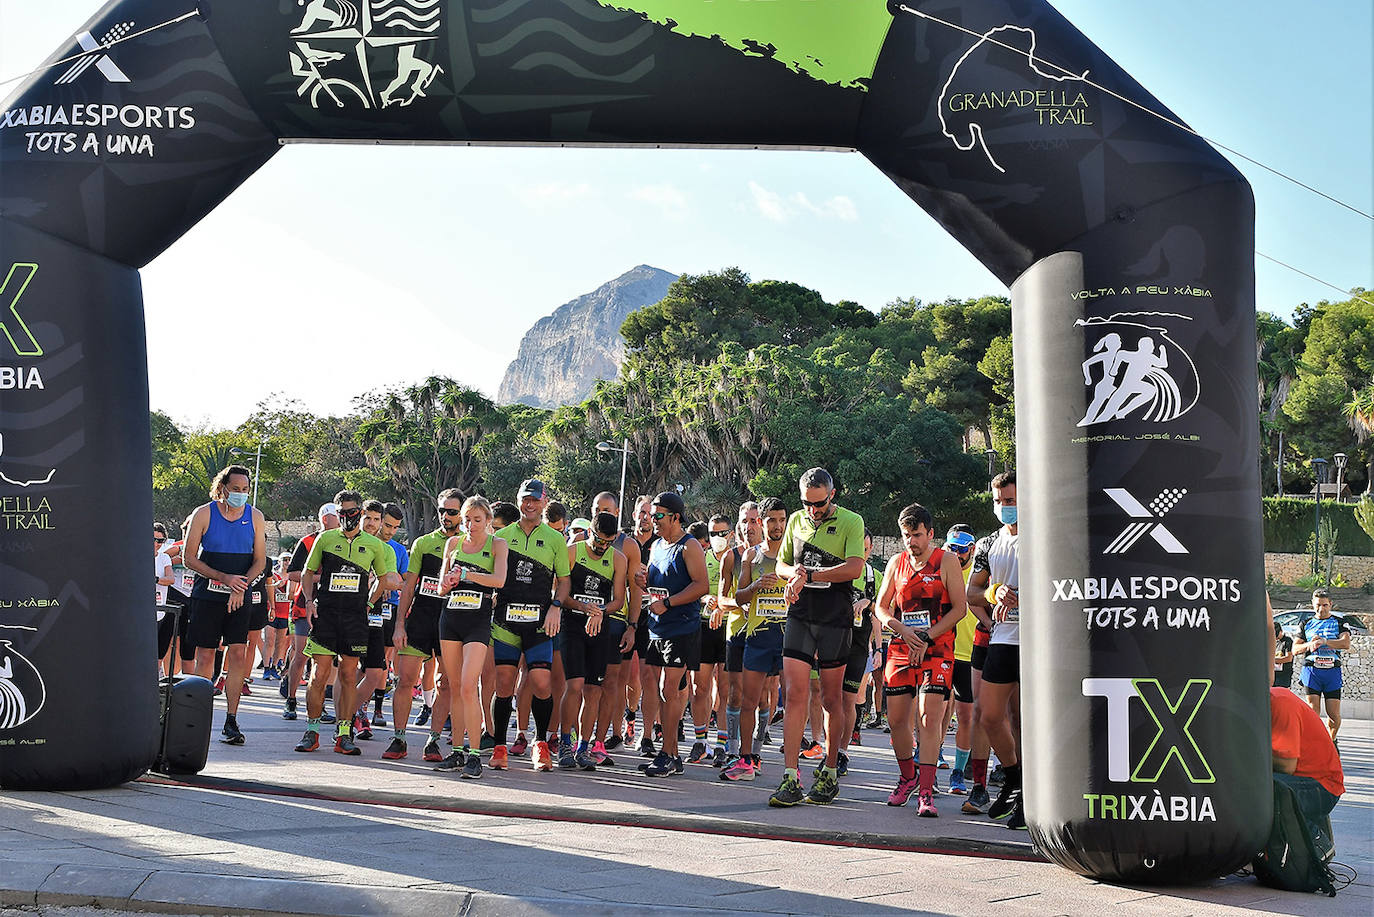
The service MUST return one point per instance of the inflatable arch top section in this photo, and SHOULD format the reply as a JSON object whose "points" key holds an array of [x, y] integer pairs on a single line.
{"points": [[1127, 242]]}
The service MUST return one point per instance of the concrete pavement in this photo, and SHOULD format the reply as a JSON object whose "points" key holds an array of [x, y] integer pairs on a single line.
{"points": [[612, 842]]}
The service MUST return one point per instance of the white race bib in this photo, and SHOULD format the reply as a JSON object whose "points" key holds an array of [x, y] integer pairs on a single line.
{"points": [[255, 599], [1324, 662], [770, 607], [212, 585], [388, 610], [815, 584], [522, 614], [1013, 616], [429, 585], [345, 582], [465, 600], [916, 618], [590, 600], [374, 619], [281, 597], [188, 579]]}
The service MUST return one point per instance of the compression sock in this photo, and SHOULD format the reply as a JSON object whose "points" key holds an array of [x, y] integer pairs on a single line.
{"points": [[428, 697], [722, 737], [500, 715], [699, 733], [961, 759], [978, 771], [1013, 772], [907, 766], [542, 708], [927, 775], [732, 730]]}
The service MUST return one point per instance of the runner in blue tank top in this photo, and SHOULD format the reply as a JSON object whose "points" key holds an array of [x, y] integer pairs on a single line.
{"points": [[675, 579]]}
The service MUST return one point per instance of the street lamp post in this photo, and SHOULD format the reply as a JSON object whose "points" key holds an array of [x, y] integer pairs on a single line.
{"points": [[992, 459], [257, 466], [1319, 466], [1341, 458], [624, 451]]}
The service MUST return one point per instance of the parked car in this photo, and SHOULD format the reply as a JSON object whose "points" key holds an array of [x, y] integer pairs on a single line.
{"points": [[1290, 620]]}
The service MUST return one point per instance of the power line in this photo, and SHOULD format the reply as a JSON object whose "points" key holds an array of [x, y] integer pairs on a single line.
{"points": [[103, 46], [1325, 283], [1167, 120]]}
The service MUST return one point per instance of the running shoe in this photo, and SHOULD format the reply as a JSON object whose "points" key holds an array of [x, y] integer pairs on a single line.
{"points": [[567, 760], [288, 711], [813, 751], [856, 739], [788, 793], [362, 729], [665, 765], [487, 743], [697, 754], [396, 750], [741, 770], [824, 789], [344, 746], [767, 737], [499, 759], [905, 787], [472, 768], [416, 693], [927, 809], [997, 777], [328, 718], [1017, 820], [584, 760], [432, 753], [842, 764], [646, 748], [454, 762], [378, 720], [599, 755], [281, 689], [219, 686], [777, 717], [521, 745], [423, 716], [718, 759], [941, 764], [956, 782], [270, 674], [245, 691], [309, 742], [658, 733], [614, 742], [1006, 801], [231, 734], [977, 802], [542, 758]]}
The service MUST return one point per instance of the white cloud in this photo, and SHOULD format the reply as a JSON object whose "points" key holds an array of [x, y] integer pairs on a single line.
{"points": [[782, 208], [551, 194], [669, 199]]}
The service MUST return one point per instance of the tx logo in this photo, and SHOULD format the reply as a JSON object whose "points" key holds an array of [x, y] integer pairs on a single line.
{"points": [[96, 56], [1149, 516], [18, 333], [1172, 718]]}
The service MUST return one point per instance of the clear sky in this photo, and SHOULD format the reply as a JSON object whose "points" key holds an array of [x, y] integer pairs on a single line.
{"points": [[443, 257]]}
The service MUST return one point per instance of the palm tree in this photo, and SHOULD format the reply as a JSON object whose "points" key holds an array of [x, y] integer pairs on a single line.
{"points": [[1359, 411]]}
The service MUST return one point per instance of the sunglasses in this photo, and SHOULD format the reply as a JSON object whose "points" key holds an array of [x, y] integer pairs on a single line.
{"points": [[721, 532], [961, 549], [159, 540], [816, 504], [659, 517], [450, 512]]}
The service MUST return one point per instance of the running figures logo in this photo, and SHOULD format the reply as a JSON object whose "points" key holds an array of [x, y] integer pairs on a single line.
{"points": [[96, 56], [1135, 370], [359, 38], [22, 692], [1148, 519]]}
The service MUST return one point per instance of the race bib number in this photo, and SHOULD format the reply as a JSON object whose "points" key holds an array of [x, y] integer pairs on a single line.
{"points": [[388, 611], [655, 592], [212, 585], [345, 582], [1013, 616], [814, 584], [916, 618], [374, 619], [1277, 666], [522, 614], [429, 585], [188, 579], [256, 598], [590, 600], [1324, 662], [859, 618], [770, 607], [280, 597], [465, 600]]}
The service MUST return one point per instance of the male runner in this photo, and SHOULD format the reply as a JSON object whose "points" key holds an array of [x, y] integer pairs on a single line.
{"points": [[675, 580], [417, 626], [710, 673], [597, 597], [822, 554], [1322, 637], [340, 562], [644, 689], [748, 532], [994, 584], [387, 603], [624, 624], [866, 638], [300, 615], [761, 595], [959, 541], [921, 600], [528, 614], [226, 548]]}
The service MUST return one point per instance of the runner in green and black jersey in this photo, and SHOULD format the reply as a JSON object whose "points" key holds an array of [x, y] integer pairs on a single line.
{"points": [[417, 624], [528, 614], [709, 680], [822, 553], [748, 532], [589, 635], [474, 565], [866, 639], [340, 563], [623, 627]]}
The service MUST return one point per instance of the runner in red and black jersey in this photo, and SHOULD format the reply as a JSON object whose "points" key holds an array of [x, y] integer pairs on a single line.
{"points": [[921, 600]]}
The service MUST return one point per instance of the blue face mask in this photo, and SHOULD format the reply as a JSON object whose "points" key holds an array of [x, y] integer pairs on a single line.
{"points": [[1004, 514], [236, 500]]}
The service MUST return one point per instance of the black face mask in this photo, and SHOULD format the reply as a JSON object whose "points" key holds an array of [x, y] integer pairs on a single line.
{"points": [[350, 518]]}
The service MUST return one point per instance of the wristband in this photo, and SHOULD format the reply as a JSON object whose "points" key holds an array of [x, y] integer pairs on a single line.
{"points": [[462, 574], [556, 603], [806, 574]]}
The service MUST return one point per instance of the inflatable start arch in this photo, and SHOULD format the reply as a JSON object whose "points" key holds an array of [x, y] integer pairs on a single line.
{"points": [[1127, 242]]}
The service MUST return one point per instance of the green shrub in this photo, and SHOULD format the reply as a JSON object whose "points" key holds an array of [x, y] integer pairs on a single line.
{"points": [[1288, 524]]}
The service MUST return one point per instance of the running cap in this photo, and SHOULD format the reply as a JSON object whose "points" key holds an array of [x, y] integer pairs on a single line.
{"points": [[959, 540], [580, 523], [329, 509], [672, 502], [532, 487]]}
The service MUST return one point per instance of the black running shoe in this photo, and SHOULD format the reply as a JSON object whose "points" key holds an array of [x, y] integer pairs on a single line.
{"points": [[472, 768], [1017, 820], [697, 754], [615, 741], [454, 762], [288, 712], [1007, 800], [344, 746], [646, 748], [231, 734], [718, 759], [423, 716]]}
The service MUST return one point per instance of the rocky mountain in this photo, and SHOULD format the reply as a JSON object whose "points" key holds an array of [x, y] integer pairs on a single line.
{"points": [[564, 354]]}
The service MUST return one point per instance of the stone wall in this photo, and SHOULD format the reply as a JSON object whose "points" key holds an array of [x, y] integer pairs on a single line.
{"points": [[1288, 568]]}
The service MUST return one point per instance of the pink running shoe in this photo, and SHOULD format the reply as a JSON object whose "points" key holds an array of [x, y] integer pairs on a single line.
{"points": [[903, 792], [927, 808]]}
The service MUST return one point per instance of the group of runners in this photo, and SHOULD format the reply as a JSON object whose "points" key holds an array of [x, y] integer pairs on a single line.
{"points": [[584, 627]]}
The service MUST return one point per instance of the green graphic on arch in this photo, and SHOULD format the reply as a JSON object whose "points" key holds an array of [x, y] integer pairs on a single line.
{"points": [[20, 337], [1180, 717], [833, 41]]}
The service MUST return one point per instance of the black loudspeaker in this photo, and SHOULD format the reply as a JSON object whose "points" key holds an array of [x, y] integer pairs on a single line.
{"points": [[188, 704]]}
